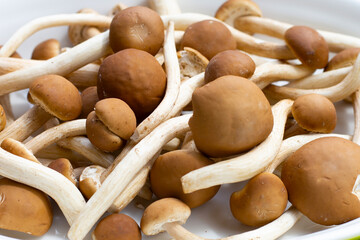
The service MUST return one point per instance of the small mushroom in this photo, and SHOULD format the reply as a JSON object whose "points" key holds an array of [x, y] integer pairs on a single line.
{"points": [[208, 37], [117, 227], [46, 50], [137, 27], [90, 180], [17, 148], [343, 59], [2, 118], [63, 166], [89, 98]]}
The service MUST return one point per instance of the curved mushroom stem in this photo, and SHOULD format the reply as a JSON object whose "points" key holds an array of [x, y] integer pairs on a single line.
{"points": [[356, 107], [244, 166], [334, 93], [165, 7], [124, 172]]}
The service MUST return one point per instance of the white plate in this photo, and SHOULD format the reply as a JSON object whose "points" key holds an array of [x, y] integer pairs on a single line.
{"points": [[214, 219]]}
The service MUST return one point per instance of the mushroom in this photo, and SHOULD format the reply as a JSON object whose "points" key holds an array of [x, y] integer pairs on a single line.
{"points": [[89, 98], [63, 166], [137, 27], [89, 181], [191, 63], [117, 226], [343, 59], [18, 149], [320, 180], [46, 50], [2, 118]]}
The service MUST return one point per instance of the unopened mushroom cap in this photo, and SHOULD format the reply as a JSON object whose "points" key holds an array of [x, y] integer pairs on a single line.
{"points": [[135, 77], [63, 166], [137, 27], [345, 58], [314, 113], [89, 98], [117, 227], [262, 200], [320, 177], [56, 95], [90, 180], [163, 211], [24, 209], [17, 148], [166, 173], [231, 115], [100, 135], [230, 62], [308, 46], [117, 116], [46, 50], [2, 118], [208, 37]]}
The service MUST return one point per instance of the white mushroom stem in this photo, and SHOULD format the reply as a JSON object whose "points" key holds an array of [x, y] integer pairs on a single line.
{"points": [[49, 181], [244, 41], [124, 172], [172, 145], [62, 64], [51, 21], [336, 41], [244, 166], [54, 134], [321, 80], [165, 7], [334, 93], [271, 72], [83, 146], [25, 125], [356, 107]]}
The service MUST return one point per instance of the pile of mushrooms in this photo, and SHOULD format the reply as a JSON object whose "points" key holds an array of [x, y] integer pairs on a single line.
{"points": [[110, 122]]}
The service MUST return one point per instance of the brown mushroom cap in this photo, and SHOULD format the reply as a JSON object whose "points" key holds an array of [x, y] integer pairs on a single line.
{"points": [[208, 37], [63, 166], [2, 118], [24, 209], [117, 116], [308, 46], [46, 50], [262, 200], [320, 177], [137, 27], [345, 58], [100, 136], [89, 98], [90, 180], [117, 227], [56, 95], [230, 62], [135, 77], [161, 212], [314, 113], [166, 173], [231, 115], [17, 148]]}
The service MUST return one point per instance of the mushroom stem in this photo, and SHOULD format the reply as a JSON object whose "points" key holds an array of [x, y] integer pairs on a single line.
{"points": [[62, 64], [165, 7], [244, 166], [356, 107], [334, 93], [178, 232], [126, 170], [50, 21]]}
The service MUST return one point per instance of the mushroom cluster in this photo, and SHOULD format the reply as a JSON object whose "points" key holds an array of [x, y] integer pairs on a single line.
{"points": [[111, 126]]}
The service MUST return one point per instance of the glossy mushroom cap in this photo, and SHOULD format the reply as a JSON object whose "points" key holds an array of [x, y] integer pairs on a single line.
{"points": [[231, 115], [63, 166], [308, 46], [320, 177], [46, 50], [24, 209], [208, 37], [262, 200], [56, 95], [230, 62], [117, 227], [166, 173], [89, 181], [135, 77], [2, 118], [315, 113], [137, 27], [18, 148], [89, 98], [345, 58], [161, 212]]}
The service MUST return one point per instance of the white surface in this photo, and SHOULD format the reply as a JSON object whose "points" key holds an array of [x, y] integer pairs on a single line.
{"points": [[213, 220]]}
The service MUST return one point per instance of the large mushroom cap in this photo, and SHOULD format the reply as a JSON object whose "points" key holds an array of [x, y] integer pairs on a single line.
{"points": [[166, 173], [344, 58], [308, 46], [135, 77], [320, 177], [262, 200], [56, 95], [208, 37], [231, 115], [230, 62], [161, 212], [314, 113], [117, 227], [137, 27], [24, 209]]}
